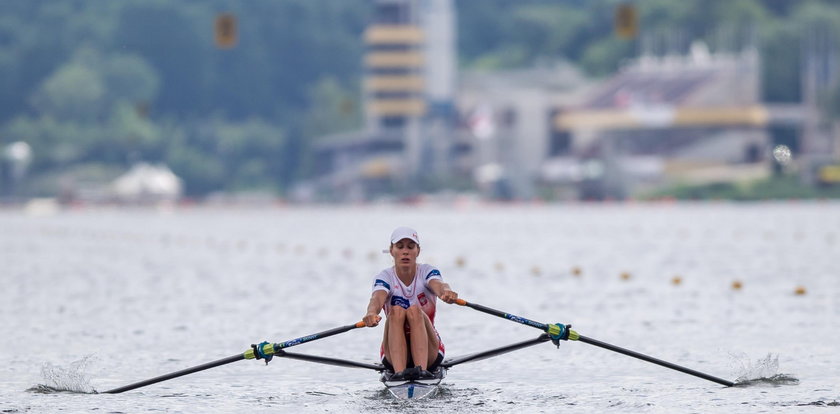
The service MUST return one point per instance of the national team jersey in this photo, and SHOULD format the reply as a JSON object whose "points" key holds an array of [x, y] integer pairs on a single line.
{"points": [[416, 292]]}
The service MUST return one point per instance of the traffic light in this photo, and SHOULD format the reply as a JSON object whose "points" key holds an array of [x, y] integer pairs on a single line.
{"points": [[225, 29], [626, 21]]}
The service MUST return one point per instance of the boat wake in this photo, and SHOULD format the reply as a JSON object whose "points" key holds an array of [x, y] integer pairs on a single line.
{"points": [[820, 403], [765, 371], [72, 379], [775, 380]]}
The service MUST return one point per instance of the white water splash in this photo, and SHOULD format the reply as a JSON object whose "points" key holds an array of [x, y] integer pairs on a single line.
{"points": [[70, 379], [763, 371]]}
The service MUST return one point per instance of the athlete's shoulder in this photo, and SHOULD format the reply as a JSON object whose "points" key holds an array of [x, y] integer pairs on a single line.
{"points": [[386, 272], [383, 280], [429, 272]]}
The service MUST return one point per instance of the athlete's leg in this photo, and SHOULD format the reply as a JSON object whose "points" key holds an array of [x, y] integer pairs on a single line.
{"points": [[394, 341], [417, 320], [433, 344]]}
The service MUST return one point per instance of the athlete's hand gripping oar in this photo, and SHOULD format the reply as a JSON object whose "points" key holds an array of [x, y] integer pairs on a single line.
{"points": [[559, 331], [264, 351]]}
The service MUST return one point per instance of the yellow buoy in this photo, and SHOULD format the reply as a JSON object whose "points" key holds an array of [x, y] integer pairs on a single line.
{"points": [[800, 290], [500, 267], [737, 285], [460, 262], [576, 271], [625, 276]]}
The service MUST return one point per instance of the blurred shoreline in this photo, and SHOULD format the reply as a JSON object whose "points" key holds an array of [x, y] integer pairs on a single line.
{"points": [[51, 206]]}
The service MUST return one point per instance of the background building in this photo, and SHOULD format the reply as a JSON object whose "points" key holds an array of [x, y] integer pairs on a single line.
{"points": [[695, 117], [685, 115], [409, 89]]}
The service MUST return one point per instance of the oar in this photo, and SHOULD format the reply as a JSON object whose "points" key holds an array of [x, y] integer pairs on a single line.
{"points": [[559, 332], [264, 350]]}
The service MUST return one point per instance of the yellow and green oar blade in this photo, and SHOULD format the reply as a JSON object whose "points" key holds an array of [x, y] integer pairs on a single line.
{"points": [[560, 331], [267, 350]]}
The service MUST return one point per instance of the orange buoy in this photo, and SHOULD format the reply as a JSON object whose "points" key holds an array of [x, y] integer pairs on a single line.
{"points": [[576, 271], [536, 271], [737, 285], [800, 290], [625, 276], [676, 281]]}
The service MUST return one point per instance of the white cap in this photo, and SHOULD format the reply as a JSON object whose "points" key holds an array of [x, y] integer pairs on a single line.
{"points": [[404, 233]]}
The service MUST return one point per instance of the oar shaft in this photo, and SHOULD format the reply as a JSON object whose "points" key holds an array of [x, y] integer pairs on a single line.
{"points": [[329, 361], [271, 349], [508, 316], [268, 350], [177, 374], [319, 335], [495, 351], [656, 361], [577, 337]]}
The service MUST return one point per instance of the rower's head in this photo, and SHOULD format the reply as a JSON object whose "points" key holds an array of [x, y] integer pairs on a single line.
{"points": [[405, 245]]}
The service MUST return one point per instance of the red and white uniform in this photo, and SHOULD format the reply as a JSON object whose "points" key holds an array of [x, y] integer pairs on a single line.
{"points": [[415, 293]]}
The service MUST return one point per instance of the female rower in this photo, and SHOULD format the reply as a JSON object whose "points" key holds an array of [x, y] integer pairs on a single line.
{"points": [[411, 347]]}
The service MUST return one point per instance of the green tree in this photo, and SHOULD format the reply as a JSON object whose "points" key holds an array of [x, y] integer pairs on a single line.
{"points": [[74, 92], [130, 78]]}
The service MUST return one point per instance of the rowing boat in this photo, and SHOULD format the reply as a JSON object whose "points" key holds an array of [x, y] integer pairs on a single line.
{"points": [[416, 389]]}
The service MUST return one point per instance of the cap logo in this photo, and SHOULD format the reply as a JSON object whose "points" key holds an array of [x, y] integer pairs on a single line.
{"points": [[404, 233]]}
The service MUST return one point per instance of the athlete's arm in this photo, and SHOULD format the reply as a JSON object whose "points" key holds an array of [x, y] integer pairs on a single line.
{"points": [[443, 291], [377, 300]]}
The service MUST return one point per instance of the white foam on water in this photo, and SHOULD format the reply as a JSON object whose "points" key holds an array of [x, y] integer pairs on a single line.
{"points": [[60, 379], [763, 371]]}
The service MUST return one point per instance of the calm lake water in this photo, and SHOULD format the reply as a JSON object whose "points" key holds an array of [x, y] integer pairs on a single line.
{"points": [[98, 298]]}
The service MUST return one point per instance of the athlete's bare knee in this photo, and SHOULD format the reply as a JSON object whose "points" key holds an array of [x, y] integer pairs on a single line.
{"points": [[397, 313], [414, 311]]}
